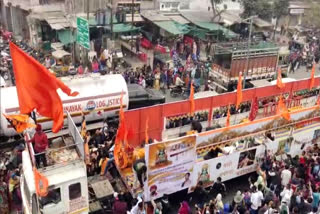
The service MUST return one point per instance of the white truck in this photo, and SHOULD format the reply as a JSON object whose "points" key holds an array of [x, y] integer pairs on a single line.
{"points": [[66, 173]]}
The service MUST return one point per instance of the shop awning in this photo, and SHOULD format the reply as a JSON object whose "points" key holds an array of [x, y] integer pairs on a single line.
{"points": [[123, 28], [59, 54], [173, 27], [66, 37], [216, 27]]}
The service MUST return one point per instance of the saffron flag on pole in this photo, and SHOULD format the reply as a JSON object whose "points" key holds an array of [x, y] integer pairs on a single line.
{"points": [[41, 183], [254, 109], [19, 122], [147, 127], [282, 109], [312, 76], [122, 126], [191, 98], [37, 87], [239, 91], [280, 84], [228, 117]]}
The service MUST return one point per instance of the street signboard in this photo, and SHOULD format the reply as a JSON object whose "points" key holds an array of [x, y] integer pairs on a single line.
{"points": [[83, 37]]}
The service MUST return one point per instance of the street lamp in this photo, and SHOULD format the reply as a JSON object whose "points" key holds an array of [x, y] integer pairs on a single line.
{"points": [[250, 19]]}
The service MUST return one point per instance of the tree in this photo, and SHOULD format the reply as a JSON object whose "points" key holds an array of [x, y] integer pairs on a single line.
{"points": [[262, 8], [312, 16], [215, 10], [280, 8]]}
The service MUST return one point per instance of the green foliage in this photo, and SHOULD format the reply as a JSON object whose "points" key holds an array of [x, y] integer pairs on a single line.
{"points": [[312, 16], [265, 9], [280, 8]]}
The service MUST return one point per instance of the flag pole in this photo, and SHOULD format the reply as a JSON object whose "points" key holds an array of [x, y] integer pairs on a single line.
{"points": [[34, 116]]}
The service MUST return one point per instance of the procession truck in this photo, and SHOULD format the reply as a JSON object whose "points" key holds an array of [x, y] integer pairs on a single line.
{"points": [[66, 174], [229, 59]]}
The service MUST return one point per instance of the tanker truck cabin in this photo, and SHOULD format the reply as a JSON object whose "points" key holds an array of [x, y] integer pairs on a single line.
{"points": [[66, 173]]}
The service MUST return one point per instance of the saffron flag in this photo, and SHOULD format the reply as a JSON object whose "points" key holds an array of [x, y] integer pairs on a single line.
{"points": [[147, 127], [228, 117], [83, 130], [41, 183], [239, 91], [282, 109], [318, 101], [312, 76], [122, 127], [280, 84], [191, 98], [254, 109], [19, 122], [37, 88]]}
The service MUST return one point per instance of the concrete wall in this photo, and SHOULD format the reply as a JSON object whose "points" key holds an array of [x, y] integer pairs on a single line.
{"points": [[80, 6]]}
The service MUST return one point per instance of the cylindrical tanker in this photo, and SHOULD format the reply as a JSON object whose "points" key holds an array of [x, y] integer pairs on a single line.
{"points": [[99, 98]]}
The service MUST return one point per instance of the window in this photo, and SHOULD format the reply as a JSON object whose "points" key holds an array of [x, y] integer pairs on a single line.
{"points": [[74, 191], [53, 197]]}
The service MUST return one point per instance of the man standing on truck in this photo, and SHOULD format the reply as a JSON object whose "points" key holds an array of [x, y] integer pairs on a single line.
{"points": [[40, 145]]}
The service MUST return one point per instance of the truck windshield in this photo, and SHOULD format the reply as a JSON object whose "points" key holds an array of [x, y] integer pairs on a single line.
{"points": [[53, 197]]}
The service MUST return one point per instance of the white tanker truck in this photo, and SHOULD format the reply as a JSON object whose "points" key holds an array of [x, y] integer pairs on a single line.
{"points": [[99, 98]]}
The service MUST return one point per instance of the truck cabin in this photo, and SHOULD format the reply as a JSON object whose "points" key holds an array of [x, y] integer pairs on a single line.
{"points": [[66, 174]]}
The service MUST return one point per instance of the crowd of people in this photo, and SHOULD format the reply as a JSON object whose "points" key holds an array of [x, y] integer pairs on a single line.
{"points": [[10, 169]]}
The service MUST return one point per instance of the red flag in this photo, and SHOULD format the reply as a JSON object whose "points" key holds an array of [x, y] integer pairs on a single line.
{"points": [[37, 88], [312, 76], [282, 109], [254, 109], [191, 98], [280, 84], [147, 127], [239, 91], [228, 117]]}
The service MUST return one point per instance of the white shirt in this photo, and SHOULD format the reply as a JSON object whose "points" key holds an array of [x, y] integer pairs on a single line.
{"points": [[256, 200], [143, 83], [285, 177], [286, 196], [179, 82], [135, 209]]}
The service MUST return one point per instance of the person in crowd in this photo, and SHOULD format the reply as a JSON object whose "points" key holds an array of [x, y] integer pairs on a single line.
{"points": [[219, 203], [200, 194], [238, 199], [119, 205], [196, 126], [157, 79], [139, 207], [184, 208], [95, 66], [256, 200], [4, 202], [213, 153], [218, 187], [140, 169], [40, 141], [285, 176]]}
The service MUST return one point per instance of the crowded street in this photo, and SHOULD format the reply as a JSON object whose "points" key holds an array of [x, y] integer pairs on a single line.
{"points": [[159, 107]]}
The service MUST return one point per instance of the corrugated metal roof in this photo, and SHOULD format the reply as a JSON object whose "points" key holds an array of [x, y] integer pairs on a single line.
{"points": [[173, 27], [178, 18], [261, 23]]}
